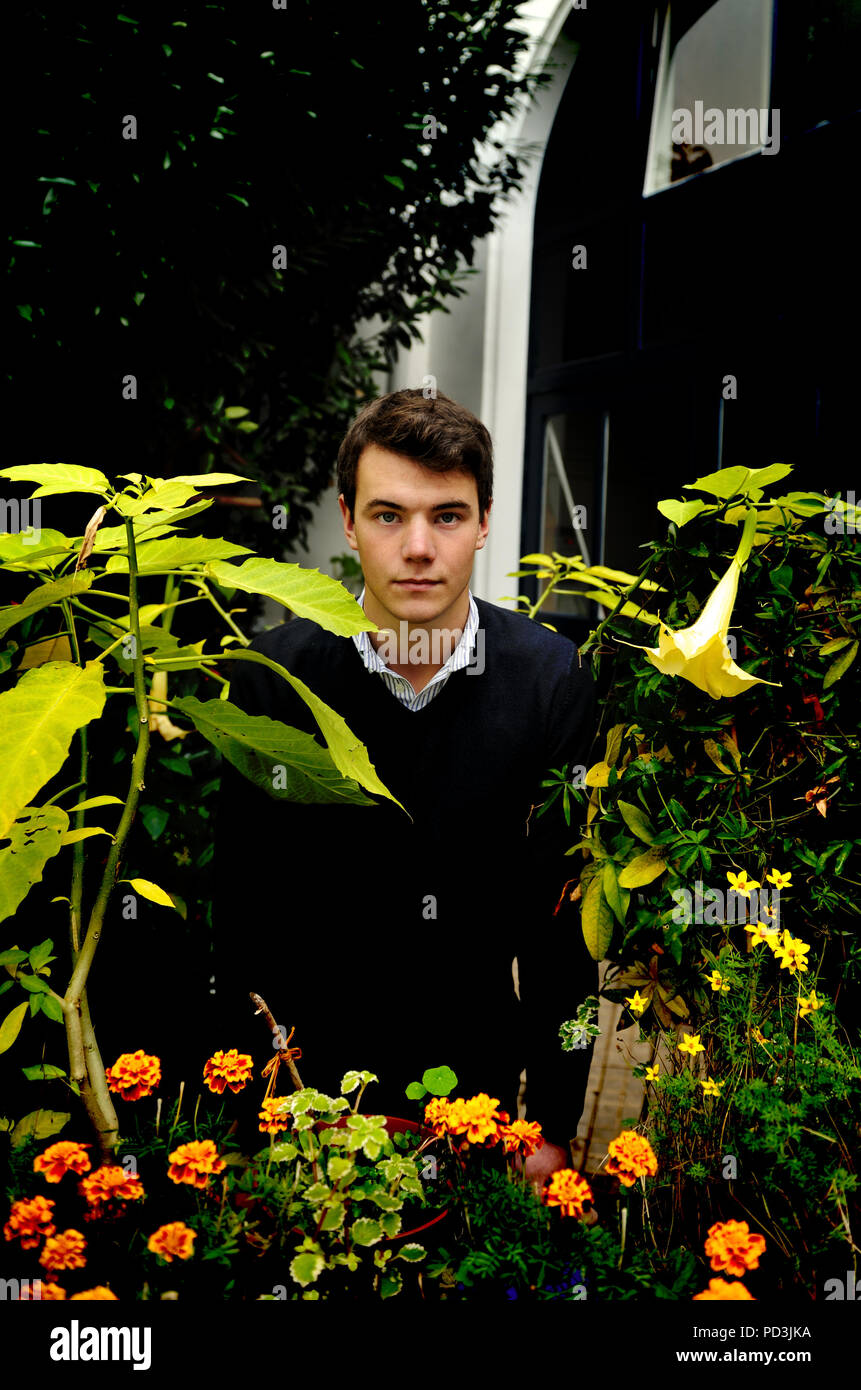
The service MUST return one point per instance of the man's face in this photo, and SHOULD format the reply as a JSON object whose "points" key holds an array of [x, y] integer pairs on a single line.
{"points": [[411, 524]]}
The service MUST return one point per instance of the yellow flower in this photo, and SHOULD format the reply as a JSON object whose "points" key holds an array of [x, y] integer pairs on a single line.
{"points": [[691, 1043], [769, 912], [761, 933], [630, 1156], [653, 1072], [790, 954], [778, 879], [717, 982], [711, 1088], [637, 1003], [700, 653], [741, 883], [756, 1033], [810, 1004]]}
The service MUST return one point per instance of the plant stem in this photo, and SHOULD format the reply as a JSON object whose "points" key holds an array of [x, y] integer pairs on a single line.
{"points": [[85, 1062]]}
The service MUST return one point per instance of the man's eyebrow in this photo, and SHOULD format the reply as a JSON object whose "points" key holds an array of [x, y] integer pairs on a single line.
{"points": [[399, 506]]}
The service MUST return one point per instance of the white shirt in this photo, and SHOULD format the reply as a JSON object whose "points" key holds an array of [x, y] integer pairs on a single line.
{"points": [[401, 688]]}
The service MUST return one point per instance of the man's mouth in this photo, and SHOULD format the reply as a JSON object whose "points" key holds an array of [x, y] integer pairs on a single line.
{"points": [[417, 583]]}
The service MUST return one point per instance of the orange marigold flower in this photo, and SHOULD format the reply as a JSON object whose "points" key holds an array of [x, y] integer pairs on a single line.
{"points": [[272, 1121], [64, 1157], [732, 1248], [521, 1134], [231, 1069], [478, 1119], [31, 1219], [100, 1294], [65, 1251], [437, 1112], [195, 1162], [134, 1075], [722, 1289], [107, 1186], [631, 1157], [174, 1239], [41, 1291], [568, 1191]]}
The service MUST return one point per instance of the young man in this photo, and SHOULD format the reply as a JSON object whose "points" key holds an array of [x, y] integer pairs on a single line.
{"points": [[389, 942]]}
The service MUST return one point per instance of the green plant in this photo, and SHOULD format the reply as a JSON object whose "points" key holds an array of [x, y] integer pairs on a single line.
{"points": [[46, 711]]}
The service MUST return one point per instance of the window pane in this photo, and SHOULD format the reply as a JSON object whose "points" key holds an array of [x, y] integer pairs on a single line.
{"points": [[571, 511], [713, 89]]}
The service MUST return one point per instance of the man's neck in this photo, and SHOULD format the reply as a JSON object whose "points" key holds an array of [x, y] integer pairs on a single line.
{"points": [[416, 650]]}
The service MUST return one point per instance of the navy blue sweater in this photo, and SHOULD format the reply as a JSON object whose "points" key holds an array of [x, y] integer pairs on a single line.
{"points": [[388, 942]]}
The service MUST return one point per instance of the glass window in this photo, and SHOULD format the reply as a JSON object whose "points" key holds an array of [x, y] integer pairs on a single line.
{"points": [[574, 450], [713, 90]]}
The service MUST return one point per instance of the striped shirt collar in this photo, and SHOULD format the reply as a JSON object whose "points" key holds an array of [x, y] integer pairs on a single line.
{"points": [[399, 685]]}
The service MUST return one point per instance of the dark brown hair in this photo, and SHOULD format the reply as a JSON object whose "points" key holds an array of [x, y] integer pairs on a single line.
{"points": [[433, 431]]}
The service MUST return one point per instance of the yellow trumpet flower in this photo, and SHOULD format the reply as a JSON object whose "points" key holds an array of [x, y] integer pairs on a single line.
{"points": [[700, 653]]}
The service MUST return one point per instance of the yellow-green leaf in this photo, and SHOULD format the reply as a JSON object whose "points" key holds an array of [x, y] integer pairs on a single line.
{"points": [[94, 801], [642, 870], [597, 920], [149, 890], [35, 836], [840, 666], [38, 719], [637, 821], [39, 1124], [11, 1026], [598, 775], [72, 837], [175, 551], [58, 478], [52, 592], [306, 592]]}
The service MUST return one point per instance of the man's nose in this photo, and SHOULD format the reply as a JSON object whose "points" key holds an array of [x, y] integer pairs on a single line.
{"points": [[418, 542]]}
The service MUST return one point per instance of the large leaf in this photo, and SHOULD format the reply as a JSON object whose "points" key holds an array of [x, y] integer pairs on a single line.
{"points": [[36, 836], [637, 821], [618, 898], [175, 551], [597, 920], [167, 493], [11, 1026], [147, 528], [306, 592], [642, 870], [680, 512], [15, 553], [255, 744], [39, 1124], [58, 478], [46, 594], [840, 666], [38, 719], [729, 482], [348, 752]]}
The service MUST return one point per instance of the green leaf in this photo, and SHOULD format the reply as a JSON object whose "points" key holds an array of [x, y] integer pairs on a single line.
{"points": [[348, 752], [597, 920], [637, 821], [13, 957], [840, 666], [306, 592], [11, 1026], [440, 1081], [390, 1223], [642, 870], [15, 553], [149, 890], [391, 1284], [34, 984], [38, 719], [412, 1252], [93, 801], [235, 412], [366, 1232], [261, 747], [41, 953], [71, 837], [334, 1218], [282, 1153], [616, 897], [316, 1192], [51, 1006], [35, 837], [306, 1268], [175, 551], [338, 1167], [730, 482], [58, 478], [680, 512], [39, 1124], [45, 594], [416, 1090], [44, 1071]]}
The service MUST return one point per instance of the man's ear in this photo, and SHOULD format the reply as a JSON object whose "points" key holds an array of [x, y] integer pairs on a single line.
{"points": [[484, 527], [349, 523]]}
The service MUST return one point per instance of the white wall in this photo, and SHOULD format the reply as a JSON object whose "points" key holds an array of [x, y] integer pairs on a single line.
{"points": [[478, 351]]}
